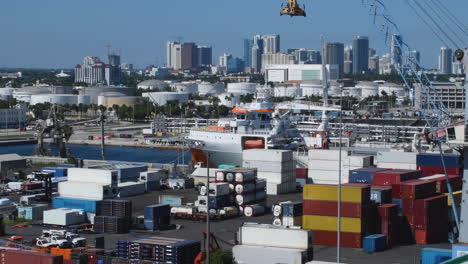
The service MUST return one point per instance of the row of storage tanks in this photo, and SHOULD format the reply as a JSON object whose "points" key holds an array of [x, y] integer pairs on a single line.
{"points": [[205, 88], [360, 90]]}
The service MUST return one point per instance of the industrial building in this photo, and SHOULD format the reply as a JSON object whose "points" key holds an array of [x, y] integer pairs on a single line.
{"points": [[279, 58], [24, 94], [451, 94], [299, 72], [11, 161], [109, 101], [161, 98], [94, 91], [13, 117]]}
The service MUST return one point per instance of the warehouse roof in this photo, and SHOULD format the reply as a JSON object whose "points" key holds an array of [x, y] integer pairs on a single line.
{"points": [[10, 157]]}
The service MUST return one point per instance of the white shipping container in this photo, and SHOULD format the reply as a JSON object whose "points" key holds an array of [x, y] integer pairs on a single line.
{"points": [[64, 217], [131, 189], [267, 155], [269, 166], [326, 154], [148, 176], [401, 166], [397, 157], [245, 176], [292, 221], [360, 161], [14, 186], [92, 175], [253, 210], [269, 255], [275, 177], [87, 190], [280, 188], [183, 210], [271, 236], [245, 188], [219, 189]]}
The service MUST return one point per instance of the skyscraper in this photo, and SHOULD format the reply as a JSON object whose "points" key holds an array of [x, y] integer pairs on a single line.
{"points": [[396, 58], [334, 54], [445, 60], [189, 56], [271, 43], [315, 57], [248, 44], [169, 51], [360, 54], [205, 55], [374, 64], [173, 55], [256, 58], [95, 72], [348, 53], [414, 59], [223, 60], [372, 52]]}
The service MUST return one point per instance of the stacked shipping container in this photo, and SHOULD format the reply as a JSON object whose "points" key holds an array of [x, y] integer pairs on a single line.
{"points": [[321, 210], [157, 216], [431, 164], [113, 216]]}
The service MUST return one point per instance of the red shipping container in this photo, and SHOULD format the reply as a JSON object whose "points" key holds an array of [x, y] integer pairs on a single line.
{"points": [[436, 205], [390, 177], [416, 189], [456, 182], [387, 210], [430, 222], [330, 208], [23, 256], [408, 206], [388, 221], [433, 170], [329, 238], [396, 191], [28, 186], [301, 173], [430, 236]]}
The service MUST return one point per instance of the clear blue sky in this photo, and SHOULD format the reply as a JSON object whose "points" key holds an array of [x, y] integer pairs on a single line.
{"points": [[58, 33]]}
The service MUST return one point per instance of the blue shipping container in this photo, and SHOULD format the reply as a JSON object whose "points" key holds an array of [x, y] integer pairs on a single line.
{"points": [[159, 223], [398, 202], [88, 206], [157, 210], [381, 196], [66, 166], [34, 212], [58, 172], [292, 209], [435, 255], [426, 159], [219, 201], [153, 186], [172, 200], [459, 250], [364, 175], [375, 243], [387, 115]]}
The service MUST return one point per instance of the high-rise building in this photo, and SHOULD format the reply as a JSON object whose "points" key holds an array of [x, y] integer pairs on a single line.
{"points": [[348, 67], [458, 67], [374, 64], [372, 52], [276, 58], [223, 59], [235, 65], [174, 55], [271, 43], [256, 58], [292, 51], [360, 54], [396, 44], [334, 54], [95, 72], [189, 58], [414, 60], [301, 56], [248, 44], [205, 55], [115, 72], [385, 67], [315, 57], [169, 53], [348, 53], [445, 60]]}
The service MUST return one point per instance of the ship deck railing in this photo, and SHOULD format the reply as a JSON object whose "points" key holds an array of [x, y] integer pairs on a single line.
{"points": [[227, 131]]}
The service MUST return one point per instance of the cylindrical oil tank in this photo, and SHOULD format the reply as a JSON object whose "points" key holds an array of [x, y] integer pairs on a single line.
{"points": [[185, 87], [241, 88], [368, 89], [54, 99], [206, 88]]}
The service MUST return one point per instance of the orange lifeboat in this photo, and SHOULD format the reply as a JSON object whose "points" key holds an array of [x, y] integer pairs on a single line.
{"points": [[254, 144]]}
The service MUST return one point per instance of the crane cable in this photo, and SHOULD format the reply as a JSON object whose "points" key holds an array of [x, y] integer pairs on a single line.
{"points": [[451, 16], [428, 3], [426, 22], [435, 23]]}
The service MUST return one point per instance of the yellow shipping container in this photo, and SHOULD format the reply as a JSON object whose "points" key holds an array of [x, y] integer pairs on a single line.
{"points": [[457, 196], [330, 223], [323, 192]]}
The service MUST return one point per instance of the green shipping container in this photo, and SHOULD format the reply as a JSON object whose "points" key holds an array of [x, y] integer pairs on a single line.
{"points": [[33, 212]]}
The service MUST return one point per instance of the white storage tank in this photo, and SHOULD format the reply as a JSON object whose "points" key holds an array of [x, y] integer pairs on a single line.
{"points": [[161, 98], [206, 88], [54, 99], [185, 87], [84, 99], [7, 91], [229, 100], [355, 92], [64, 216], [241, 88], [390, 88], [368, 89]]}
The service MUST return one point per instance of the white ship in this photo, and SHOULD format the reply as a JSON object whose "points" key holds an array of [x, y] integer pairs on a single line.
{"points": [[258, 125]]}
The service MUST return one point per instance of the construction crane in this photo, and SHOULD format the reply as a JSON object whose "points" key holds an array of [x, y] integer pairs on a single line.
{"points": [[56, 129], [293, 9]]}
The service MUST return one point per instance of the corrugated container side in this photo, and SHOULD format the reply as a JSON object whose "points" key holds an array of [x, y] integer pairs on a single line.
{"points": [[330, 208], [435, 255], [329, 238], [329, 223], [450, 160], [417, 189], [172, 200], [83, 204], [330, 193]]}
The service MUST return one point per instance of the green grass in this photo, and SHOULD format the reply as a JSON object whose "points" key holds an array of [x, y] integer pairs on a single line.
{"points": [[5, 136]]}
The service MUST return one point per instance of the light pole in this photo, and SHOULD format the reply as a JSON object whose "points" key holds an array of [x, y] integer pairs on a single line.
{"points": [[338, 249], [207, 243]]}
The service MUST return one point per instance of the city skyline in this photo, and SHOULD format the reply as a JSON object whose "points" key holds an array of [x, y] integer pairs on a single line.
{"points": [[142, 37]]}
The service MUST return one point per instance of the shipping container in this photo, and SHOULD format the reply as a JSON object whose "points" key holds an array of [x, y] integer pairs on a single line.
{"points": [[330, 223], [277, 177], [262, 254], [71, 203], [364, 175], [301, 173], [397, 157], [172, 200], [87, 190], [34, 212], [157, 210], [267, 155], [58, 172], [119, 208], [23, 256], [158, 224], [329, 238], [323, 192], [456, 182], [99, 176], [253, 210], [432, 159], [219, 189], [29, 186], [399, 166], [292, 209], [280, 188], [381, 195], [111, 224], [330, 208], [325, 154], [243, 199], [270, 166], [292, 221], [127, 189], [272, 236], [435, 255], [214, 202], [374, 243], [389, 177], [430, 236], [417, 189], [64, 217], [433, 170]]}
